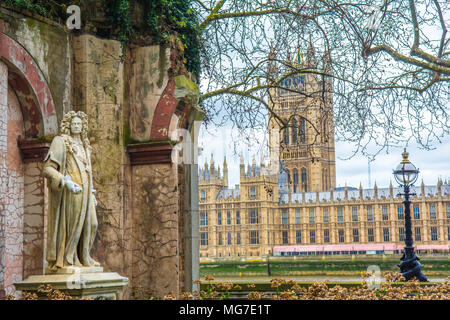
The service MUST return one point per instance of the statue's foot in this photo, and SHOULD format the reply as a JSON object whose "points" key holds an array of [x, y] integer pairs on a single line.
{"points": [[90, 263], [77, 263], [52, 267], [95, 263]]}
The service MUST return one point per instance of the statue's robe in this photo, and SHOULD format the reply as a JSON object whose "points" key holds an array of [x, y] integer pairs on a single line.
{"points": [[72, 220]]}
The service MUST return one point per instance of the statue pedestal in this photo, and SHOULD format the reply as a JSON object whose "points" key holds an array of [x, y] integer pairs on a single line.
{"points": [[79, 282]]}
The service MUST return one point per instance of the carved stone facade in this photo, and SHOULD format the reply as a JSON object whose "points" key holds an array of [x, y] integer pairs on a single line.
{"points": [[255, 219], [306, 143], [298, 210]]}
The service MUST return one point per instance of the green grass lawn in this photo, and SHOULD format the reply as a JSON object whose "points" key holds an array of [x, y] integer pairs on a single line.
{"points": [[329, 265]]}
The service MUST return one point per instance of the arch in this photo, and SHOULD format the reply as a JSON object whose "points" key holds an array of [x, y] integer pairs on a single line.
{"points": [[31, 96], [30, 87]]}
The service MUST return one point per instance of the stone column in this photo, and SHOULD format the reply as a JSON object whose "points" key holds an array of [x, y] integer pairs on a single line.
{"points": [[191, 212], [98, 91]]}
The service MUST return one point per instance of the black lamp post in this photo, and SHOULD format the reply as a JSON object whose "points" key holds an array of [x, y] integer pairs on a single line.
{"points": [[406, 174]]}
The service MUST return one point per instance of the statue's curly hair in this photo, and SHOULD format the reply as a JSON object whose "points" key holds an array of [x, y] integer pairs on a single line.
{"points": [[66, 123]]}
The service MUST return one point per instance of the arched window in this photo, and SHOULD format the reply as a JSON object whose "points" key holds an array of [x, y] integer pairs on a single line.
{"points": [[286, 135], [295, 180], [288, 177], [302, 130], [304, 180], [294, 131]]}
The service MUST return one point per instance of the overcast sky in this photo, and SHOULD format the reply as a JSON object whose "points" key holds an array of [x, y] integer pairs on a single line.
{"points": [[432, 164]]}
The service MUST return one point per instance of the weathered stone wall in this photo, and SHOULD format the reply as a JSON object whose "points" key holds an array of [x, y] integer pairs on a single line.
{"points": [[155, 237], [14, 195], [3, 173], [98, 91], [12, 187], [37, 57], [136, 98]]}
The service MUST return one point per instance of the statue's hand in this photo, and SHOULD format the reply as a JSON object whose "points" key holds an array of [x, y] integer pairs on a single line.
{"points": [[72, 186]]}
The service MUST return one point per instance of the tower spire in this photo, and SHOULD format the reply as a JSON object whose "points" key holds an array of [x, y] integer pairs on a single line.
{"points": [[311, 54], [225, 172]]}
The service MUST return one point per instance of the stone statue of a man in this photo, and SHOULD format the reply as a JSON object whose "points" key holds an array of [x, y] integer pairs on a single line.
{"points": [[72, 220]]}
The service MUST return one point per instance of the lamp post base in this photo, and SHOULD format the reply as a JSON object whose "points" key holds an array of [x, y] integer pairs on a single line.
{"points": [[410, 266]]}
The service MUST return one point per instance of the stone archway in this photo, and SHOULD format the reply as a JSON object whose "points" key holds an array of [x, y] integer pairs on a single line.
{"points": [[27, 115]]}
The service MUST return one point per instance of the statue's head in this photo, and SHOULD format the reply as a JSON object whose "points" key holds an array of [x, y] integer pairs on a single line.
{"points": [[75, 123]]}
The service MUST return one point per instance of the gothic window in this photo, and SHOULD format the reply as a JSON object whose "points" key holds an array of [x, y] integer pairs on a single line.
{"points": [[204, 238], [238, 217], [340, 215], [203, 218], [341, 235], [325, 215], [370, 237], [434, 234], [304, 180], [254, 219], [401, 234], [302, 130], [386, 234], [220, 238], [432, 212], [228, 217], [312, 236], [294, 131], [354, 214], [295, 180], [326, 235], [285, 237], [252, 192], [369, 213], [385, 213], [219, 218], [254, 237], [417, 234], [297, 216], [298, 237], [400, 213], [284, 217], [355, 235], [286, 135], [238, 237], [311, 215], [416, 211], [203, 195]]}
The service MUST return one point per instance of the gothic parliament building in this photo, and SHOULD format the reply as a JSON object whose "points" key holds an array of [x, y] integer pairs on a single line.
{"points": [[296, 209]]}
